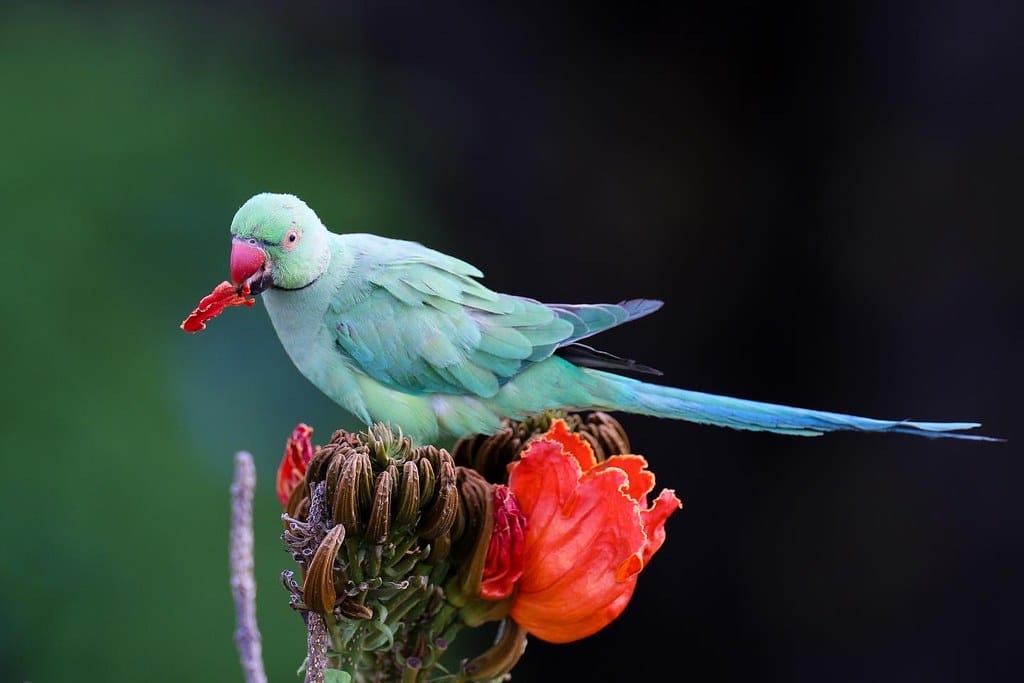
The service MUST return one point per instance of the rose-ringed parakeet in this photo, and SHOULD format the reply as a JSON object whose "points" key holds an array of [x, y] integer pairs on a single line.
{"points": [[395, 332]]}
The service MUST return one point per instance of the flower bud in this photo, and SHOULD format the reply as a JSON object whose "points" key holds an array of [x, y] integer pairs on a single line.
{"points": [[379, 525], [604, 434], [491, 455], [353, 494], [318, 589], [441, 514], [427, 480], [408, 504], [477, 509], [400, 546], [393, 513], [502, 656]]}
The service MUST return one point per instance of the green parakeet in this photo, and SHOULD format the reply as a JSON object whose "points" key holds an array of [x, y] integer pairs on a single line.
{"points": [[395, 332]]}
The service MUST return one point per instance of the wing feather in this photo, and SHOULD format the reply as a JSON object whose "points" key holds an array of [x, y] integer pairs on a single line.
{"points": [[424, 324], [420, 321]]}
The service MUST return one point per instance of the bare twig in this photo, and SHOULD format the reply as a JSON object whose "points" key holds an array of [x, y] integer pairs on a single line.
{"points": [[316, 639], [316, 644], [243, 585]]}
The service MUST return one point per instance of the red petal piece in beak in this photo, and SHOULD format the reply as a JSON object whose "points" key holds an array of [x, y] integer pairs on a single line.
{"points": [[210, 306], [246, 259]]}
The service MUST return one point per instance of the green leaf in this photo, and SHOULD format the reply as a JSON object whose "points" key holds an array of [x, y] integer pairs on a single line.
{"points": [[336, 676]]}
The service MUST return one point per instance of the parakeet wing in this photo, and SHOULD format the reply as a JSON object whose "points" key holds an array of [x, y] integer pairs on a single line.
{"points": [[425, 324]]}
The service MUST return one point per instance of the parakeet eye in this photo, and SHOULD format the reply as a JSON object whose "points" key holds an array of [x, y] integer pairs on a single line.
{"points": [[291, 239]]}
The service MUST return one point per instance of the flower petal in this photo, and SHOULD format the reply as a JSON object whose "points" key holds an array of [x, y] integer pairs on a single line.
{"points": [[298, 451], [210, 306], [641, 480], [543, 480], [505, 559], [589, 534], [654, 521], [583, 544], [573, 444]]}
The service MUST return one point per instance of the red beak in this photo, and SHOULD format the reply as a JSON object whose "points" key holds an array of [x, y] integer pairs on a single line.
{"points": [[246, 260]]}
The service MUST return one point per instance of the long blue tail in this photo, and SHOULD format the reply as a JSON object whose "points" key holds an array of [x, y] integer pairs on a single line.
{"points": [[633, 396]]}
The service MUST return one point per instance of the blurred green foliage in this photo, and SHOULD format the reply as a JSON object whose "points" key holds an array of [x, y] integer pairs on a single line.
{"points": [[128, 143]]}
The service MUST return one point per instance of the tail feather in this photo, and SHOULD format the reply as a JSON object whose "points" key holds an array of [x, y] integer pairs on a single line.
{"points": [[634, 396]]}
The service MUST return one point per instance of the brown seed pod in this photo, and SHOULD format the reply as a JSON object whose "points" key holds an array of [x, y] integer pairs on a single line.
{"points": [[350, 609]]}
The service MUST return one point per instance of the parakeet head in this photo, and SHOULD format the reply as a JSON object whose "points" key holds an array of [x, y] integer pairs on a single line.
{"points": [[277, 242]]}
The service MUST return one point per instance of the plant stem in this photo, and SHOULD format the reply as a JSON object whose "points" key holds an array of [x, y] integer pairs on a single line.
{"points": [[243, 585]]}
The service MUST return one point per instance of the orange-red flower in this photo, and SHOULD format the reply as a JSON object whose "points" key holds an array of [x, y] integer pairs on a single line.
{"points": [[297, 454], [588, 533]]}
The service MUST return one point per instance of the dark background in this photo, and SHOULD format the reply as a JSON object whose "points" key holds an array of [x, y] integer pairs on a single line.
{"points": [[826, 196]]}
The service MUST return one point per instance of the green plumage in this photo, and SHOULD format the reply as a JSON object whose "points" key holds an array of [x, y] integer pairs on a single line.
{"points": [[399, 333]]}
